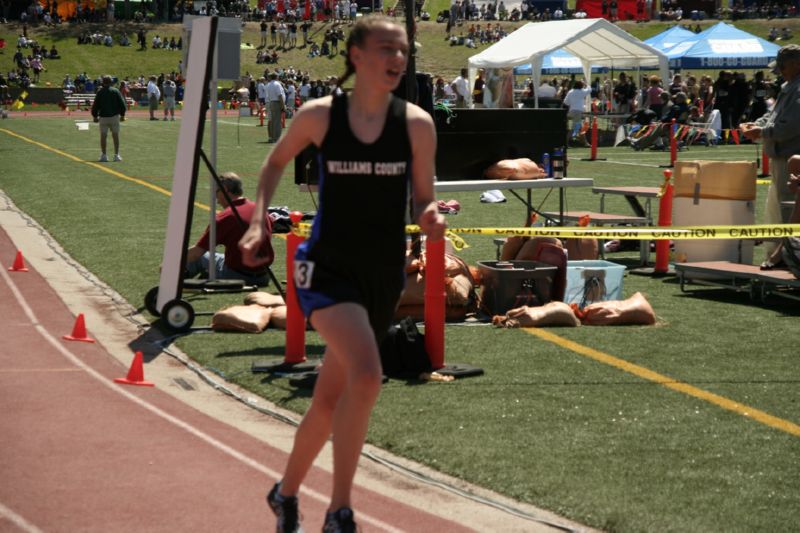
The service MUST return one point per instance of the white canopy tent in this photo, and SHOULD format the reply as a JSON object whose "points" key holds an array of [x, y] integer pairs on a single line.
{"points": [[593, 41]]}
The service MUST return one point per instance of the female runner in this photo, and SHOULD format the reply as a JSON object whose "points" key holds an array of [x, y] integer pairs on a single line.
{"points": [[371, 145]]}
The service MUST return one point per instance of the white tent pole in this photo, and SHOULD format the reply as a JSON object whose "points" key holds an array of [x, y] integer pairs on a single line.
{"points": [[472, 73], [536, 75], [212, 225]]}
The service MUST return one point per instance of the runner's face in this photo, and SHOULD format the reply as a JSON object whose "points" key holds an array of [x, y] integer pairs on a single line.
{"points": [[382, 60]]}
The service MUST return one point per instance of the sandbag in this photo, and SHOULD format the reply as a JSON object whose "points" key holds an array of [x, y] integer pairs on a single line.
{"points": [[263, 299], [530, 250], [511, 248], [458, 290], [452, 264], [525, 248], [277, 317], [549, 314], [246, 318], [584, 249], [527, 170], [636, 310], [514, 169], [459, 282], [414, 290]]}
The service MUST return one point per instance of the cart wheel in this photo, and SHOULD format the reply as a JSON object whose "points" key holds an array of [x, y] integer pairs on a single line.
{"points": [[178, 315], [150, 301]]}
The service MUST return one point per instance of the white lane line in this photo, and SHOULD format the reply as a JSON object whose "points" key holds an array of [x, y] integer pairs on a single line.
{"points": [[224, 448]]}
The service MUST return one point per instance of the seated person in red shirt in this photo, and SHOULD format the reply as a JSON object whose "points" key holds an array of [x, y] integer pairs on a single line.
{"points": [[229, 232]]}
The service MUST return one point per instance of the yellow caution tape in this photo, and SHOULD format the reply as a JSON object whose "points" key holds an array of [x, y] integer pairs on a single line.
{"points": [[458, 243], [760, 231], [304, 230], [764, 231]]}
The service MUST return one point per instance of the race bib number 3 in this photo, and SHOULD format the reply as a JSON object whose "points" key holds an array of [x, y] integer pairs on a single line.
{"points": [[303, 271]]}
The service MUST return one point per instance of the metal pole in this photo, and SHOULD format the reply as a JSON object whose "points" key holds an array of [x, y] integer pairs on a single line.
{"points": [[411, 67], [212, 226]]}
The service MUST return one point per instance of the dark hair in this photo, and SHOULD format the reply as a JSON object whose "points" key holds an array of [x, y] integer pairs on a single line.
{"points": [[357, 37]]}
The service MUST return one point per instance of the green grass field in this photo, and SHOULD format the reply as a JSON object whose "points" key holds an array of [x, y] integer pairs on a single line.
{"points": [[566, 419], [435, 55]]}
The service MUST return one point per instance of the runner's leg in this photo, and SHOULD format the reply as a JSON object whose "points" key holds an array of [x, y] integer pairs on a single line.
{"points": [[316, 426]]}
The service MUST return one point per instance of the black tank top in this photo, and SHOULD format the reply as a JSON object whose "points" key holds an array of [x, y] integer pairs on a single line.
{"points": [[363, 191]]}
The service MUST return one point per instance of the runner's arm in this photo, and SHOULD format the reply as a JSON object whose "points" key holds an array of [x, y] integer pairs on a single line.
{"points": [[308, 127], [423, 165]]}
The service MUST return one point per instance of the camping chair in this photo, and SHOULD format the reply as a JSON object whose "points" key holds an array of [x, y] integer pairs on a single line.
{"points": [[645, 136], [709, 129]]}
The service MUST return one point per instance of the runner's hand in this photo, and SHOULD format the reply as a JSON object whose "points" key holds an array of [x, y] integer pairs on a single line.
{"points": [[432, 222], [250, 245]]}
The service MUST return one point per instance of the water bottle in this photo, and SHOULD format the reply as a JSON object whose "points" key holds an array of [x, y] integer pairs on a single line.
{"points": [[558, 164], [546, 165]]}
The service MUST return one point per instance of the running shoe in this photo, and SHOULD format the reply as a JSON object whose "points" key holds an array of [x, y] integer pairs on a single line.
{"points": [[285, 509], [339, 521], [103, 158], [117, 157]]}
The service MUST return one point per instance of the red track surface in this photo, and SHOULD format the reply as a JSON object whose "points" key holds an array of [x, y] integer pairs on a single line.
{"points": [[81, 453]]}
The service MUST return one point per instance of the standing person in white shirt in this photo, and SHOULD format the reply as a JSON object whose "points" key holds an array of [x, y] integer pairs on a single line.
{"points": [[291, 93], [153, 96], [283, 35], [276, 98], [261, 91], [305, 91], [546, 90], [576, 103], [461, 88]]}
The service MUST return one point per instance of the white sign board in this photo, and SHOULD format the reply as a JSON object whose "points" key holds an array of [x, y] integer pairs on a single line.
{"points": [[187, 160], [735, 46]]}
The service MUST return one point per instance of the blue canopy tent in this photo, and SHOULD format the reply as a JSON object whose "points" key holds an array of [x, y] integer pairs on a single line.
{"points": [[668, 39], [559, 62], [722, 46], [673, 42]]}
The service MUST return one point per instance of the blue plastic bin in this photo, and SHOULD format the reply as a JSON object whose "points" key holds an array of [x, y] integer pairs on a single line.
{"points": [[593, 281]]}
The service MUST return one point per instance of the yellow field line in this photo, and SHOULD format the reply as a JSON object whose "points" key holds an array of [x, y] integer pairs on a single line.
{"points": [[670, 383], [97, 166]]}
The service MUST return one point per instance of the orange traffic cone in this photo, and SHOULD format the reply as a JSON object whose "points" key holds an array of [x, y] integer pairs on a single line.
{"points": [[79, 331], [19, 263], [135, 373]]}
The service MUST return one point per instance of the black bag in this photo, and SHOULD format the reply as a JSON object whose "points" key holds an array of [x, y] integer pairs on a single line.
{"points": [[403, 352], [791, 254]]}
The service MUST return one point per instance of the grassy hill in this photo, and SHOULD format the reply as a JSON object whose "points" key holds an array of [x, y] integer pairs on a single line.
{"points": [[435, 55]]}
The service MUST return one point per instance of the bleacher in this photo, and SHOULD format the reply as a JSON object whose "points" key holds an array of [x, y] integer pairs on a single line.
{"points": [[85, 100]]}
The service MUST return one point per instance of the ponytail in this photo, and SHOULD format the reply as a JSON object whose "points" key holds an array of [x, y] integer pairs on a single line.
{"points": [[349, 71]]}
